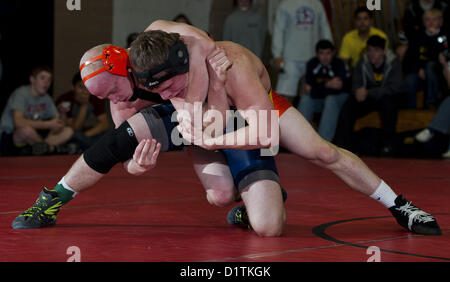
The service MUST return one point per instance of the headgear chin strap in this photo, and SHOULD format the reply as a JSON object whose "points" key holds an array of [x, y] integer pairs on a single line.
{"points": [[115, 60], [177, 63]]}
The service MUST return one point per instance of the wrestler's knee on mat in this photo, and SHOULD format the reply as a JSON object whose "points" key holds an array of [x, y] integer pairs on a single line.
{"points": [[220, 198], [271, 225]]}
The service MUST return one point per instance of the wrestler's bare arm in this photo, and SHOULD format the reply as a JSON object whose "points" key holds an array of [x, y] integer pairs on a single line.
{"points": [[181, 28], [218, 65], [122, 111], [243, 86]]}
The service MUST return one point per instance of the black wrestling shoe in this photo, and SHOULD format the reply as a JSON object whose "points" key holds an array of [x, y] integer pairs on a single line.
{"points": [[413, 218], [41, 214], [238, 215], [284, 194]]}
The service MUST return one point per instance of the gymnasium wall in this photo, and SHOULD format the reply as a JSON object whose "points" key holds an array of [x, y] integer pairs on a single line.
{"points": [[135, 15]]}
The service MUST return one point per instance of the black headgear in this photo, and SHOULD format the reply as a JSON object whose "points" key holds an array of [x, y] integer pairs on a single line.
{"points": [[177, 63]]}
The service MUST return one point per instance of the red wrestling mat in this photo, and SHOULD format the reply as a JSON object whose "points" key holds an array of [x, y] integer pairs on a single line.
{"points": [[164, 215]]}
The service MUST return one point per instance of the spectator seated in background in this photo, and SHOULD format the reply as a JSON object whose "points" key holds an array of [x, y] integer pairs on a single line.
{"points": [[354, 42], [326, 88], [413, 21], [376, 82], [421, 60], [247, 27], [182, 18], [84, 113], [30, 118], [130, 38], [440, 125]]}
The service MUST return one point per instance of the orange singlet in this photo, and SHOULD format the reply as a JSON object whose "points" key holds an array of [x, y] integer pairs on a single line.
{"points": [[279, 103]]}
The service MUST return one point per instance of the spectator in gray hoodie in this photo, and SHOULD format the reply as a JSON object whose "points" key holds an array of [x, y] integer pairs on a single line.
{"points": [[376, 83]]}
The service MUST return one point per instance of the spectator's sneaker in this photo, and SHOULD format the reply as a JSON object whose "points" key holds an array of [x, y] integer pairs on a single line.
{"points": [[413, 218], [66, 149], [387, 151], [446, 155], [424, 136], [41, 214], [403, 40], [40, 148], [238, 215]]}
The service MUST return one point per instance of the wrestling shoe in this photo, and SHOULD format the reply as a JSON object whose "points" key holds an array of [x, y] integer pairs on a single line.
{"points": [[413, 218], [41, 214], [238, 215]]}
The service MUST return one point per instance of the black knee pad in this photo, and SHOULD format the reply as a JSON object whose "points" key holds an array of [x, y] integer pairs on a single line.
{"points": [[115, 146]]}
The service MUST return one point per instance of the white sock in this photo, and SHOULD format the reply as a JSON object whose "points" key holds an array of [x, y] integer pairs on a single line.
{"points": [[66, 186], [384, 195]]}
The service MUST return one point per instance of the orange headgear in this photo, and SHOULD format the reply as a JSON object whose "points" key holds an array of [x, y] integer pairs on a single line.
{"points": [[115, 60]]}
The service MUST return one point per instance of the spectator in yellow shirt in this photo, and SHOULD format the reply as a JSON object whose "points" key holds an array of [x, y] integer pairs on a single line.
{"points": [[354, 42]]}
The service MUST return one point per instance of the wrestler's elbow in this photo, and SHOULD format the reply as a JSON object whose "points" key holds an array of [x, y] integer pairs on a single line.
{"points": [[207, 46]]}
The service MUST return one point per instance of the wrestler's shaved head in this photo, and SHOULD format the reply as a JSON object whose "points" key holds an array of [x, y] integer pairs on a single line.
{"points": [[94, 66], [105, 84]]}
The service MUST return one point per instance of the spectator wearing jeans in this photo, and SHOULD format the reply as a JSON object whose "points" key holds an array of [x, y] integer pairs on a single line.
{"points": [[326, 88], [376, 81], [440, 125], [421, 63], [30, 118]]}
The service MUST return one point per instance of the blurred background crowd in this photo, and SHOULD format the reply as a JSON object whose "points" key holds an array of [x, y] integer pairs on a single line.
{"points": [[374, 82]]}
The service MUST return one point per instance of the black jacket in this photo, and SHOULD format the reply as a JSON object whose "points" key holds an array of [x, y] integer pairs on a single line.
{"points": [[318, 75], [413, 19], [390, 84], [422, 49]]}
